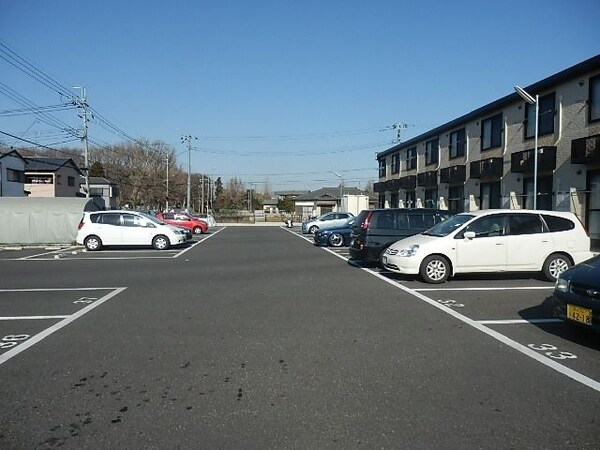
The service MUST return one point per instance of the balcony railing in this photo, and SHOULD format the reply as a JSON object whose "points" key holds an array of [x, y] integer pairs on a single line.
{"points": [[523, 162], [585, 150], [487, 168], [454, 174], [427, 179], [408, 182]]}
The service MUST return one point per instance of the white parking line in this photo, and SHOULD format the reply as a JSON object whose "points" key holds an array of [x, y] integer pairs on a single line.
{"points": [[518, 321], [57, 326], [33, 317], [200, 241], [481, 326], [517, 288]]}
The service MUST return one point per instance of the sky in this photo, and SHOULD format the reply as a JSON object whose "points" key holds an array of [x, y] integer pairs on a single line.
{"points": [[284, 95]]}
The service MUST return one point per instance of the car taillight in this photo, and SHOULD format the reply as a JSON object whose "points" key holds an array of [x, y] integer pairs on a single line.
{"points": [[367, 222], [80, 225]]}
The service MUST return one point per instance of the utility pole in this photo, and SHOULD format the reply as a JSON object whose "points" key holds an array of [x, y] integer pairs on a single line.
{"points": [[167, 196], [82, 103], [188, 139], [399, 127], [202, 195]]}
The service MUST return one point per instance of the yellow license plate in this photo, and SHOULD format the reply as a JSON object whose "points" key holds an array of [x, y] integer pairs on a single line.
{"points": [[579, 314]]}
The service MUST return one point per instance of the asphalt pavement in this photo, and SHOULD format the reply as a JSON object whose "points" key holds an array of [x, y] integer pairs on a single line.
{"points": [[253, 338]]}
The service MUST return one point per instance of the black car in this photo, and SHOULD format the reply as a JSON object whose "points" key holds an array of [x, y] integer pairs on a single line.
{"points": [[335, 236], [576, 296], [374, 230]]}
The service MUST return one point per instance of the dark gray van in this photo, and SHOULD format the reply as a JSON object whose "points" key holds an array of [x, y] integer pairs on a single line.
{"points": [[374, 230]]}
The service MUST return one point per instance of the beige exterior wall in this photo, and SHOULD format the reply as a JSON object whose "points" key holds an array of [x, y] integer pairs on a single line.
{"points": [[59, 185]]}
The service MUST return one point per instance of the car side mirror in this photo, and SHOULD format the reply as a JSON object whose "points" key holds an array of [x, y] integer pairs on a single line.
{"points": [[469, 235]]}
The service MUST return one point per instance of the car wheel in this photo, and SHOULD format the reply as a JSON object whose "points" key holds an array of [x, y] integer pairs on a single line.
{"points": [[336, 240], [554, 265], [92, 243], [313, 229], [435, 269], [160, 242], [197, 230]]}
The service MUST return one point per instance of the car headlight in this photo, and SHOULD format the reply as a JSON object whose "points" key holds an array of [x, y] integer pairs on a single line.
{"points": [[562, 285], [409, 251]]}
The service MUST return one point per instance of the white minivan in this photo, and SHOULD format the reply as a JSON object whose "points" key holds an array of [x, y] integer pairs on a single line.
{"points": [[106, 228], [500, 240]]}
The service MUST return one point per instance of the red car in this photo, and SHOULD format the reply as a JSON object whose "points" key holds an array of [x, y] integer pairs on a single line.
{"points": [[184, 220]]}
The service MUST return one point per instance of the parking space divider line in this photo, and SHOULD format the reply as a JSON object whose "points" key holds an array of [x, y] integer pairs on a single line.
{"points": [[518, 321], [199, 242], [33, 317], [511, 288]]}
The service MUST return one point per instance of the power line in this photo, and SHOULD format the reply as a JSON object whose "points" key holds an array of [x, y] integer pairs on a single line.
{"points": [[28, 68]]}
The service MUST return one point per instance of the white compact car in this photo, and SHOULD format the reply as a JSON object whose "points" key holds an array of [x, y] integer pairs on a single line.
{"points": [[493, 241], [105, 228]]}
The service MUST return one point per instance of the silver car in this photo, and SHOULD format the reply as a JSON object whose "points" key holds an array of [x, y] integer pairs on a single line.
{"points": [[328, 220]]}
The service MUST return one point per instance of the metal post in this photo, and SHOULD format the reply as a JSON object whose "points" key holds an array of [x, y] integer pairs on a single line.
{"points": [[535, 155]]}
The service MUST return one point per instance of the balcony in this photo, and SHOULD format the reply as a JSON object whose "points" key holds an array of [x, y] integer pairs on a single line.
{"points": [[523, 162], [408, 183], [454, 174], [585, 150], [427, 179], [487, 168]]}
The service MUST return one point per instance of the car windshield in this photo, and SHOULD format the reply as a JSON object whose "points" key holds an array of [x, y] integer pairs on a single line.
{"points": [[448, 226]]}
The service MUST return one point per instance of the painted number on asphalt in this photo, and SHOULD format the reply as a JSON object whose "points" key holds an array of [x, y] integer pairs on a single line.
{"points": [[451, 303], [85, 300], [552, 351], [11, 340]]}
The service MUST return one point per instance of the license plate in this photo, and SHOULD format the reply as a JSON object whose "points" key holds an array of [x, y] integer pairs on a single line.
{"points": [[579, 314]]}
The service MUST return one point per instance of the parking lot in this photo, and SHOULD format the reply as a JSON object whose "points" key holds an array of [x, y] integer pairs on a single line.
{"points": [[246, 324], [514, 309]]}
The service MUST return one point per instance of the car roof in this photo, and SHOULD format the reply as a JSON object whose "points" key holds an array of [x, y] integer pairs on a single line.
{"points": [[485, 212]]}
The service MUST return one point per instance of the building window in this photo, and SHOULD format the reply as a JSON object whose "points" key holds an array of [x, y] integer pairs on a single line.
{"points": [[457, 143], [382, 168], [39, 179], [71, 181], [395, 163], [490, 195], [411, 158], [545, 117], [491, 132], [456, 203], [17, 176], [594, 109], [432, 151]]}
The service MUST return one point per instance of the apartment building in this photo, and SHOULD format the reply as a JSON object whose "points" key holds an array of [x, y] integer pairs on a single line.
{"points": [[486, 158]]}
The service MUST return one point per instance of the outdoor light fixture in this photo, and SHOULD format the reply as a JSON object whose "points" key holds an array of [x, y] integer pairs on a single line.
{"points": [[532, 101]]}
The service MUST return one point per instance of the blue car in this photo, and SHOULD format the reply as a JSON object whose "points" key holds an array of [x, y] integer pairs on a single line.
{"points": [[576, 296], [336, 236]]}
